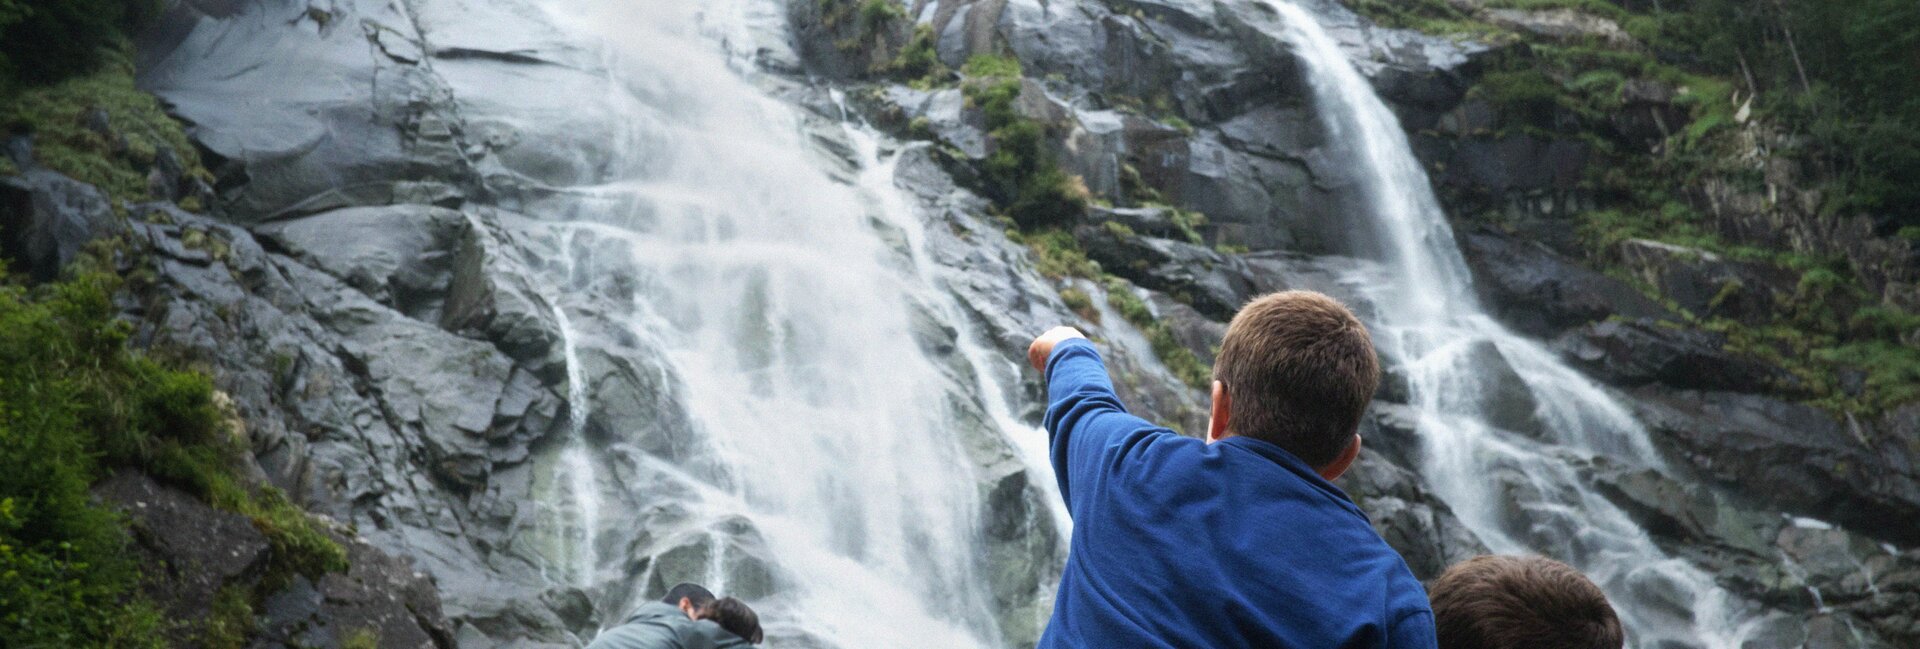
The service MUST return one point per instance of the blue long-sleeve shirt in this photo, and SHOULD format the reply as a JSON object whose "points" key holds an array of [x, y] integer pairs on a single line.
{"points": [[1180, 543]]}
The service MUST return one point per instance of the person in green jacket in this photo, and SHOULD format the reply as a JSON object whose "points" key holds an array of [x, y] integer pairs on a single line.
{"points": [[689, 617]]}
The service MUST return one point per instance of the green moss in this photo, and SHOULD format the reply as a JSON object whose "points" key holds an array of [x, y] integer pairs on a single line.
{"points": [[919, 60], [56, 113], [1057, 254], [231, 623], [992, 66], [361, 639], [1601, 8], [1080, 303], [1430, 16], [1176, 357]]}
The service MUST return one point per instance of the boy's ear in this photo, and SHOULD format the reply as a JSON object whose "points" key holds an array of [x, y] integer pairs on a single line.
{"points": [[1217, 413], [1333, 470]]}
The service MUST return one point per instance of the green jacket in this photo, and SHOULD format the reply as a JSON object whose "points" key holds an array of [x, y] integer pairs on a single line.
{"points": [[657, 625]]}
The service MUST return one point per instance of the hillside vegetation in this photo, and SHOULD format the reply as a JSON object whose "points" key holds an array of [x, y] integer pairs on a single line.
{"points": [[1798, 119]]}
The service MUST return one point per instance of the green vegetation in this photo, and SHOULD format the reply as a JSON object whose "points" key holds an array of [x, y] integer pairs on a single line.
{"points": [[1021, 174], [919, 60], [76, 404], [1838, 76], [1057, 254], [1041, 201], [361, 639], [1080, 303], [231, 621], [45, 42], [1181, 361], [117, 161]]}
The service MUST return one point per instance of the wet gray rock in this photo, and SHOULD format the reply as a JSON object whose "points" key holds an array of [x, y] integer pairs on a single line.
{"points": [[1542, 293], [398, 255], [1504, 399], [1194, 330], [1638, 352], [1564, 25], [47, 219], [1420, 527], [383, 116], [1210, 282], [194, 552], [380, 598], [190, 550], [1793, 457], [1711, 286]]}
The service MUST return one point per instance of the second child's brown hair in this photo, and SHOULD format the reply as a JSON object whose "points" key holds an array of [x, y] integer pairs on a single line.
{"points": [[1507, 602], [1299, 369], [734, 616]]}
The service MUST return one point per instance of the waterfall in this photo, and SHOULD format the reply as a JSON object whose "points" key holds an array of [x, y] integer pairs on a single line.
{"points": [[753, 276], [1520, 495]]}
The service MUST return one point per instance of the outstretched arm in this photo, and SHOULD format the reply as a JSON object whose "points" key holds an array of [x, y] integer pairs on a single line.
{"points": [[1084, 416]]}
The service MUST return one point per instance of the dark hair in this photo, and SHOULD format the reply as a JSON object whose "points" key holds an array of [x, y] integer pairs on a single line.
{"points": [[734, 616], [1299, 369], [695, 594], [1506, 602]]}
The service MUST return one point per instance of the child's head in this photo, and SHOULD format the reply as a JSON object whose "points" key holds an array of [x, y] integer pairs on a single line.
{"points": [[1297, 370], [1506, 602], [734, 616]]}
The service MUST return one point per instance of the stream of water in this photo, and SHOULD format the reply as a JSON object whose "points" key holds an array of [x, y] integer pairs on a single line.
{"points": [[785, 324], [1518, 493]]}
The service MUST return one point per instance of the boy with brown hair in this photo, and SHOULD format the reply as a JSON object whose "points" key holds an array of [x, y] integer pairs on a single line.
{"points": [[1240, 540], [1508, 602]]}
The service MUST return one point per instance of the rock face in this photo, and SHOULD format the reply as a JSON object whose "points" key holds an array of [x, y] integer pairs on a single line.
{"points": [[1543, 293], [392, 287], [195, 552]]}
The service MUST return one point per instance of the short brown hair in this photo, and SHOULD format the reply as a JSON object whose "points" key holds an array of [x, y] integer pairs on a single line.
{"points": [[1299, 369], [734, 616], [1507, 602]]}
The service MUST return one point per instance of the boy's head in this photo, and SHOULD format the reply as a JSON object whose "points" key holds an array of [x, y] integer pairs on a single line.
{"points": [[734, 616], [1296, 369], [688, 597], [1506, 602]]}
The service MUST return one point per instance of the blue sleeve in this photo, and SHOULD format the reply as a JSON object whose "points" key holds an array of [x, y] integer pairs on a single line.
{"points": [[1084, 416], [1413, 631]]}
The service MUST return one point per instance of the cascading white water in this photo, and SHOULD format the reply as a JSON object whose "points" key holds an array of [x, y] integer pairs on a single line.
{"points": [[783, 323], [1519, 495]]}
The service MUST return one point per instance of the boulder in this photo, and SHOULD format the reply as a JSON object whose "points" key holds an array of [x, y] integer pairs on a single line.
{"points": [[1212, 283], [399, 255], [1711, 286], [1542, 293], [47, 219], [1639, 352], [1562, 25], [380, 598], [190, 549], [1417, 525], [1694, 516], [1504, 400], [382, 120], [1794, 457]]}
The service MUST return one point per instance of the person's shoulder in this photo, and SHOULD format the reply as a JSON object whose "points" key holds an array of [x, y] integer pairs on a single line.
{"points": [[707, 633], [655, 611]]}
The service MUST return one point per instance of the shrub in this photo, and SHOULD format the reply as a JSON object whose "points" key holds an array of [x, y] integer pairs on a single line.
{"points": [[1021, 174], [65, 576], [76, 403]]}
